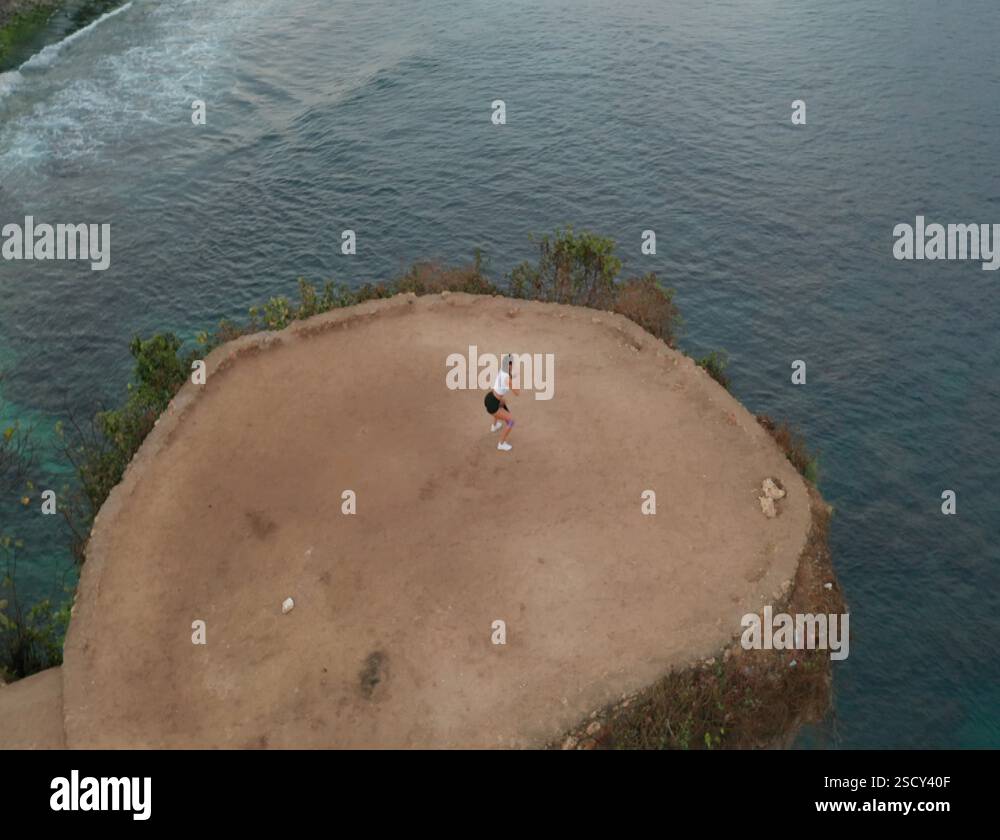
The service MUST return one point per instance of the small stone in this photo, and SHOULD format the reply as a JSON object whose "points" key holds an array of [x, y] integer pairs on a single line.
{"points": [[570, 743], [792, 664], [594, 727], [767, 506], [771, 489], [287, 605], [828, 586]]}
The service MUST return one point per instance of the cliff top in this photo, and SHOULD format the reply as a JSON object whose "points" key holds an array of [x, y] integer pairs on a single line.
{"points": [[234, 503]]}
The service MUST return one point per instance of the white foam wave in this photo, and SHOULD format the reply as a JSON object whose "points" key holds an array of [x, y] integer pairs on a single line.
{"points": [[9, 81], [56, 115], [48, 54]]}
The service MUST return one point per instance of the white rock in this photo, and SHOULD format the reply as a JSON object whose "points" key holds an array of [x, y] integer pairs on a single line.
{"points": [[828, 586], [771, 489], [767, 506], [286, 606]]}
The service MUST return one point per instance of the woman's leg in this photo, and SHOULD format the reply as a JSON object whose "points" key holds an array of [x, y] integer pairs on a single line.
{"points": [[497, 420], [508, 421]]}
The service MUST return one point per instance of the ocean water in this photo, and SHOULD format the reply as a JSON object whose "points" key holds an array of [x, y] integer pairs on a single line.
{"points": [[670, 115]]}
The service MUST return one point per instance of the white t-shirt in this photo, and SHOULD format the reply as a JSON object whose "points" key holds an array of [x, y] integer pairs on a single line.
{"points": [[501, 385]]}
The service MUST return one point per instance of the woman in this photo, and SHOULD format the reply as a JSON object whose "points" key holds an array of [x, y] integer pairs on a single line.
{"points": [[496, 405]]}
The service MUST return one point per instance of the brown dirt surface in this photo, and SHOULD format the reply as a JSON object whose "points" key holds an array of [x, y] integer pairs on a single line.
{"points": [[31, 712], [233, 504]]}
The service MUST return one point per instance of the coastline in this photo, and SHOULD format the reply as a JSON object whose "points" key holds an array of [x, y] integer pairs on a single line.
{"points": [[687, 621], [22, 21], [28, 26], [751, 699], [677, 679]]}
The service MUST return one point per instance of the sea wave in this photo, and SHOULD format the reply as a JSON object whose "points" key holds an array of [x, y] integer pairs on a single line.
{"points": [[48, 54], [71, 101]]}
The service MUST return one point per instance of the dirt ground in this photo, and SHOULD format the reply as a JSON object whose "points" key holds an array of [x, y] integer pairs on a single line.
{"points": [[31, 712], [233, 504]]}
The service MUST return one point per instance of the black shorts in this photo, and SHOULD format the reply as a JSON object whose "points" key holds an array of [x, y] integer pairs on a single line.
{"points": [[493, 403]]}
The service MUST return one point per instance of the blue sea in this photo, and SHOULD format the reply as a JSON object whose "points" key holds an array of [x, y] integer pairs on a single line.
{"points": [[621, 117]]}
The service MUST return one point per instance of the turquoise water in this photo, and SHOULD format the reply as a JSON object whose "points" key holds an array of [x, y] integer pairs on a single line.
{"points": [[621, 117]]}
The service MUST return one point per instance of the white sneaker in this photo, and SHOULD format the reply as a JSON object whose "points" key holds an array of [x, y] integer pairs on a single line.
{"points": [[503, 445], [496, 427]]}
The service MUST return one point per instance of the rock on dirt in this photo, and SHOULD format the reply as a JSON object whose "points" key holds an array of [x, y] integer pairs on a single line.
{"points": [[772, 489]]}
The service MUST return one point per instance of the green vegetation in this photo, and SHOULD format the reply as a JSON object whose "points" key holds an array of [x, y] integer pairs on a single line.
{"points": [[17, 455], [791, 442], [572, 268], [578, 269], [716, 363], [26, 26], [582, 270], [18, 25], [744, 698], [31, 640], [101, 450]]}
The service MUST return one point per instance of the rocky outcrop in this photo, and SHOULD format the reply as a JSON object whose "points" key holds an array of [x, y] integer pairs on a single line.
{"points": [[771, 490]]}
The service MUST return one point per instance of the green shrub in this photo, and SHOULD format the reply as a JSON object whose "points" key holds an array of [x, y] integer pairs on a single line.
{"points": [[572, 268], [791, 442], [31, 640], [101, 449], [578, 269], [716, 363], [17, 452], [645, 301]]}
